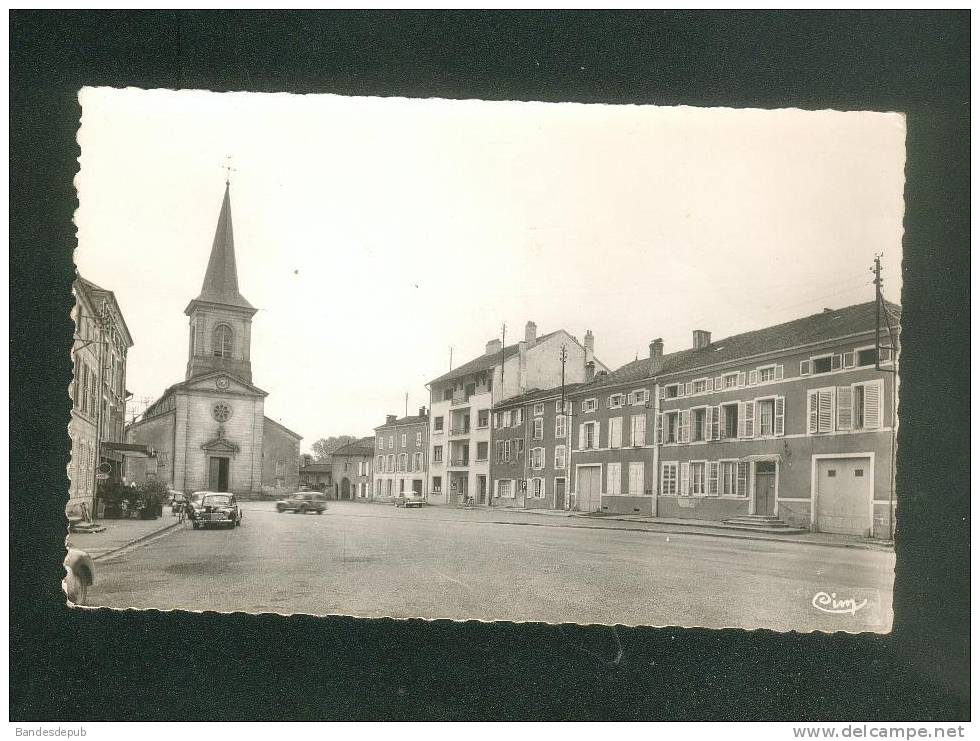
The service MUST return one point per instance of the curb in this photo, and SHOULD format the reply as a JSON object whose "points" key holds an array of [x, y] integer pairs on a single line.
{"points": [[137, 541], [683, 531]]}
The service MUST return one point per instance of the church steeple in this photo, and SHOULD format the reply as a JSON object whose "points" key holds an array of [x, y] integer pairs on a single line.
{"points": [[220, 317]]}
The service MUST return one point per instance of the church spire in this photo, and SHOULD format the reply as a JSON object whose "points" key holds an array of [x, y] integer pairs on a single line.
{"points": [[221, 279]]}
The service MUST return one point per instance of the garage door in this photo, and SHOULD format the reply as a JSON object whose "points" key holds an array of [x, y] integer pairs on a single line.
{"points": [[844, 495], [588, 498]]}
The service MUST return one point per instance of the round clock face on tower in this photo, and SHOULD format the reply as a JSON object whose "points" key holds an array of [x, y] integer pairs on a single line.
{"points": [[222, 383], [221, 412]]}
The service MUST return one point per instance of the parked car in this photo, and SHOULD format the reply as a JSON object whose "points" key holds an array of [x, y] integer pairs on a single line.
{"points": [[215, 508], [409, 499], [302, 502], [80, 576]]}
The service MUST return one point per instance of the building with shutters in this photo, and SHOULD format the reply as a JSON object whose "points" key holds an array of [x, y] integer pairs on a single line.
{"points": [[529, 449], [461, 402], [352, 469], [401, 451], [790, 425]]}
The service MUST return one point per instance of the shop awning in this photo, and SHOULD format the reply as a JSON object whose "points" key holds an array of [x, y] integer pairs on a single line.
{"points": [[131, 450]]}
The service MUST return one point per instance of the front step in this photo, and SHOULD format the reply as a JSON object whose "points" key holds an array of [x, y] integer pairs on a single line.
{"points": [[763, 523]]}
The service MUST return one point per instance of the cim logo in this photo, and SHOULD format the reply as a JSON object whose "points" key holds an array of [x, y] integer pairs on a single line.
{"points": [[835, 605]]}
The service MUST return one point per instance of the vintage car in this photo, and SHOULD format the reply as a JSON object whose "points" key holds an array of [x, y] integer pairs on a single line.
{"points": [[302, 502], [215, 508], [409, 499], [80, 576]]}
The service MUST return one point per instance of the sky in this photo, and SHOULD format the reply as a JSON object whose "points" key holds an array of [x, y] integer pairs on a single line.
{"points": [[374, 234]]}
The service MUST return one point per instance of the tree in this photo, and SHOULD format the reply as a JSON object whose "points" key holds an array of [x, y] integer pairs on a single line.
{"points": [[323, 447]]}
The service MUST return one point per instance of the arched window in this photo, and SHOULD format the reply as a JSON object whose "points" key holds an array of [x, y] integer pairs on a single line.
{"points": [[222, 341]]}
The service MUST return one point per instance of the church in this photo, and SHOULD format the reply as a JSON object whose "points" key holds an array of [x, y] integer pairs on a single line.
{"points": [[209, 431]]}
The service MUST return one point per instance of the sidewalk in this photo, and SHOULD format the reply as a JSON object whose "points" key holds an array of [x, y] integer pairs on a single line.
{"points": [[120, 533], [716, 529]]}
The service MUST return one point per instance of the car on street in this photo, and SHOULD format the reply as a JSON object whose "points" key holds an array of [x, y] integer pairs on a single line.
{"points": [[409, 499], [215, 508], [302, 502], [80, 576]]}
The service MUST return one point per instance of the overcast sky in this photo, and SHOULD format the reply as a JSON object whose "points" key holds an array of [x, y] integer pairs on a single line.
{"points": [[374, 234]]}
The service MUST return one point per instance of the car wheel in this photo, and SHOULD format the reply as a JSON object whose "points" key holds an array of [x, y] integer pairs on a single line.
{"points": [[196, 526], [280, 508], [319, 511], [301, 510]]}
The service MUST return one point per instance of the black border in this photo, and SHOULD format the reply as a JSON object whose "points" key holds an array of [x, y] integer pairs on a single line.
{"points": [[127, 665]]}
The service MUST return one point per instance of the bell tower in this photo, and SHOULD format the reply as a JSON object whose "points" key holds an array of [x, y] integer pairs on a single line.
{"points": [[220, 319]]}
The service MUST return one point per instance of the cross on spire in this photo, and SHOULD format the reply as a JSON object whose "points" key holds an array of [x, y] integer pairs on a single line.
{"points": [[228, 169]]}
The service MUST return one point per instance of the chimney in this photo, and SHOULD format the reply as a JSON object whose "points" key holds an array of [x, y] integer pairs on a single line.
{"points": [[530, 333], [702, 338], [421, 411], [589, 370], [589, 346], [657, 349], [390, 419], [493, 347]]}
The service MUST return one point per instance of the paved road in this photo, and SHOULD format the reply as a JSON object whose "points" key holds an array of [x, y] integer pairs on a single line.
{"points": [[377, 561]]}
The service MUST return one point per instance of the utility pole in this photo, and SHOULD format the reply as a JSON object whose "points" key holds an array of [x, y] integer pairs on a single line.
{"points": [[450, 357], [406, 403], [503, 344], [879, 301], [563, 356]]}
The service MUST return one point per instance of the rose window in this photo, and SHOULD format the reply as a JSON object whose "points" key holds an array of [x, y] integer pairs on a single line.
{"points": [[221, 412]]}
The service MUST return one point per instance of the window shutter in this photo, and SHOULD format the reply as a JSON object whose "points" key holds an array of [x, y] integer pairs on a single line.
{"points": [[750, 419], [660, 429], [640, 429], [663, 392], [825, 411], [741, 419], [836, 361], [718, 383], [685, 431], [753, 377], [742, 480], [779, 423], [845, 407], [741, 378], [646, 396], [713, 477], [715, 423], [581, 437], [779, 373], [849, 359], [684, 489], [811, 412], [709, 384], [688, 388], [804, 367], [872, 405]]}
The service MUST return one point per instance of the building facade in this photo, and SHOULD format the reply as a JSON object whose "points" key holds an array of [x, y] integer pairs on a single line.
{"points": [[401, 455], [98, 392], [210, 431], [530, 446], [791, 424], [351, 467], [316, 475], [462, 400]]}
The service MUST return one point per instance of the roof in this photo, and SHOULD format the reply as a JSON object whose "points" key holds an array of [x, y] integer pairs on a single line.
{"points": [[536, 394], [486, 362], [221, 278], [283, 428], [151, 410], [364, 446], [411, 420], [827, 325], [91, 287], [316, 468]]}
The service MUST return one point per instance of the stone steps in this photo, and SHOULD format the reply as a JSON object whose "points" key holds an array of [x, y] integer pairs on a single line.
{"points": [[763, 524]]}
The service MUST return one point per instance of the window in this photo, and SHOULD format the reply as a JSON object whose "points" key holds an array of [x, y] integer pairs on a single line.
{"points": [[614, 479], [470, 390], [379, 465], [506, 418], [766, 416], [537, 458], [730, 381], [671, 427], [447, 395], [437, 423], [770, 373], [639, 396], [699, 424], [221, 341], [638, 430], [589, 405], [507, 447], [820, 411], [418, 437], [518, 417], [505, 489], [437, 454], [499, 451], [560, 427], [700, 386], [698, 478], [821, 365], [391, 441], [636, 479], [483, 418], [668, 479], [437, 484], [418, 461], [616, 432], [558, 409], [538, 409], [391, 463], [589, 438], [518, 447], [482, 451], [672, 391], [616, 401], [729, 421], [404, 440], [560, 457], [402, 462], [866, 356], [539, 428], [859, 406], [537, 488], [381, 443]]}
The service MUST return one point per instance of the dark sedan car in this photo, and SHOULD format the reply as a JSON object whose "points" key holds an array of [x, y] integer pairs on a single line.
{"points": [[302, 502], [215, 508]]}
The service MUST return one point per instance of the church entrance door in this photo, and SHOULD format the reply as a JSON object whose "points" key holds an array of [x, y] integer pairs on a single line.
{"points": [[218, 474]]}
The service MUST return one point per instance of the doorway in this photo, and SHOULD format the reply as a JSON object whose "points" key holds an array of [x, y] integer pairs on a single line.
{"points": [[843, 491], [345, 488], [481, 489], [589, 488], [560, 493], [218, 474], [765, 488]]}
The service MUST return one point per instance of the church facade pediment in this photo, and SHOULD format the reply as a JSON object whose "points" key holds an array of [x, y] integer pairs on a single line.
{"points": [[220, 445], [222, 383]]}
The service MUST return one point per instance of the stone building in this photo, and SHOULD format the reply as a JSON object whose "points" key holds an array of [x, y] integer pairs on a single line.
{"points": [[210, 431], [351, 472], [400, 457]]}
